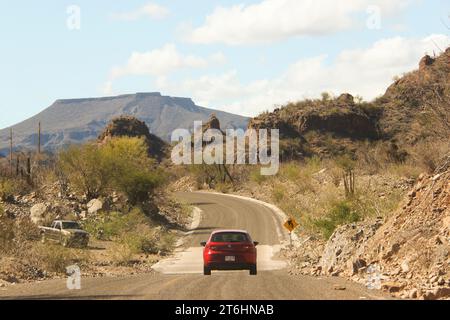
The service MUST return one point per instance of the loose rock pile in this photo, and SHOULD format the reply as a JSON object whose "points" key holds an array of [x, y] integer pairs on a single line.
{"points": [[410, 253]]}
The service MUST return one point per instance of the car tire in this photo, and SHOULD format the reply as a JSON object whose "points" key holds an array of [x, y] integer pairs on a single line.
{"points": [[253, 270], [206, 271]]}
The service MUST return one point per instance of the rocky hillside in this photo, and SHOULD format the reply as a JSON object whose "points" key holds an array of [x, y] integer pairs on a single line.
{"points": [[323, 127], [127, 126], [415, 108], [410, 252], [80, 120]]}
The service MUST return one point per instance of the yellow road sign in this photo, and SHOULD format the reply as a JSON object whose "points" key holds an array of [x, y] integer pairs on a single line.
{"points": [[291, 224]]}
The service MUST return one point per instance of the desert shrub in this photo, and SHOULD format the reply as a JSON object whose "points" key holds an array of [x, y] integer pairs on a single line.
{"points": [[120, 254], [85, 169], [405, 170], [55, 258], [428, 154], [107, 226], [256, 176], [370, 204], [341, 213], [345, 162], [140, 242], [301, 173], [133, 233], [15, 234], [166, 242], [122, 164], [278, 193], [223, 187], [293, 148], [138, 185], [7, 189], [211, 175], [291, 171], [335, 174]]}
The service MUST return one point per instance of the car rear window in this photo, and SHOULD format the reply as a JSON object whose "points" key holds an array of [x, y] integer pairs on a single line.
{"points": [[230, 237]]}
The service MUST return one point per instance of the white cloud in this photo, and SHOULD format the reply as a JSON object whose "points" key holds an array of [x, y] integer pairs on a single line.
{"points": [[272, 20], [152, 10], [366, 72], [160, 63], [157, 62], [107, 88]]}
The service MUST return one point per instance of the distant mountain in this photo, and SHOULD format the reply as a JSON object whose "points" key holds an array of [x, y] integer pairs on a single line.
{"points": [[79, 120]]}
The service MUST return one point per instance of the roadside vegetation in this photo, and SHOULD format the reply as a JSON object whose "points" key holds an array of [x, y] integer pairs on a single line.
{"points": [[325, 193], [121, 165], [133, 224]]}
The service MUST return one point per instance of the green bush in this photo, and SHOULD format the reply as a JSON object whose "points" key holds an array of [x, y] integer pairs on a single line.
{"points": [[108, 226], [55, 258], [148, 242], [139, 242], [256, 176], [122, 165], [341, 213], [85, 169], [7, 189]]}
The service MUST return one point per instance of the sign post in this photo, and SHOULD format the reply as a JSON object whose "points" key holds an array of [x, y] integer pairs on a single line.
{"points": [[290, 225]]}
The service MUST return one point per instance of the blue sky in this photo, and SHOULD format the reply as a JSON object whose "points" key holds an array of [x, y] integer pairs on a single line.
{"points": [[239, 56]]}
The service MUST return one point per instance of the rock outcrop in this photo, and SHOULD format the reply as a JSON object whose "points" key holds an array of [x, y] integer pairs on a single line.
{"points": [[425, 62], [417, 106], [314, 124], [411, 251], [414, 109], [126, 126]]}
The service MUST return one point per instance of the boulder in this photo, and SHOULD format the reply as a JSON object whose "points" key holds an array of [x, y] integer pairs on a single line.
{"points": [[346, 99], [425, 62], [38, 213], [94, 206]]}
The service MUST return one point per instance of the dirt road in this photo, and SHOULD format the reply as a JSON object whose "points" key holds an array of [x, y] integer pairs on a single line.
{"points": [[180, 277]]}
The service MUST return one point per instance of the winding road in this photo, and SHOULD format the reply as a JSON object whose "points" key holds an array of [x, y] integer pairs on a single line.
{"points": [[180, 276]]}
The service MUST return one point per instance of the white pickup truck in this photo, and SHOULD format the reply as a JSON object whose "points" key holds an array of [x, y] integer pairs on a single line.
{"points": [[66, 233]]}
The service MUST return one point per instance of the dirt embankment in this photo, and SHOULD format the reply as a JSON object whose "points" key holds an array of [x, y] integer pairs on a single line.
{"points": [[410, 252]]}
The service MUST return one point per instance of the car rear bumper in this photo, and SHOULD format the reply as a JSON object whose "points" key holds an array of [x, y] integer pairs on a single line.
{"points": [[229, 266], [239, 258]]}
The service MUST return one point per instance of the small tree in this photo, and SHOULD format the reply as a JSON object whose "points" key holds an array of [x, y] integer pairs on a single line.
{"points": [[122, 164], [85, 169]]}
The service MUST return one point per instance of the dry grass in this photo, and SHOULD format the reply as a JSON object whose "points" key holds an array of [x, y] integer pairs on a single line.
{"points": [[312, 191]]}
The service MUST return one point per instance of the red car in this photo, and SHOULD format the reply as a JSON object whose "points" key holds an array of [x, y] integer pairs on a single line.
{"points": [[229, 250]]}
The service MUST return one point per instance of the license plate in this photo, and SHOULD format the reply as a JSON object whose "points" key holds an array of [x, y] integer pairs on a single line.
{"points": [[230, 258]]}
